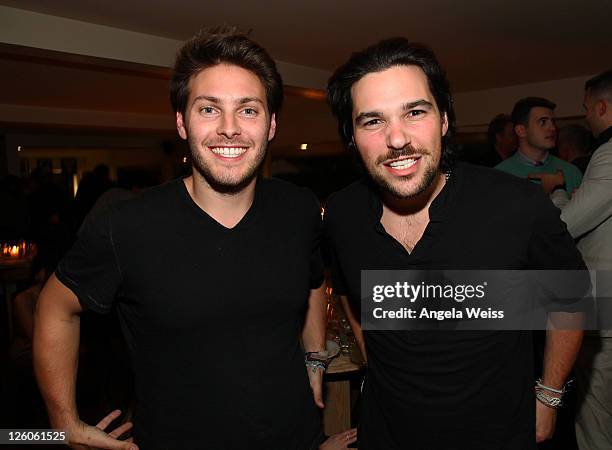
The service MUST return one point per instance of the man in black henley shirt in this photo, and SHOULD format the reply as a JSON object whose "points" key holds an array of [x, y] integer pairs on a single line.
{"points": [[438, 390]]}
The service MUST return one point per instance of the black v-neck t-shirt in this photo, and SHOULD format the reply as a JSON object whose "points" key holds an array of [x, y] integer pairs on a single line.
{"points": [[445, 390], [212, 316]]}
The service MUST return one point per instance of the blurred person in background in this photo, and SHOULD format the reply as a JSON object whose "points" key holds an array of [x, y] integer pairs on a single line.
{"points": [[574, 145], [534, 125], [588, 215], [14, 218], [501, 139], [92, 186]]}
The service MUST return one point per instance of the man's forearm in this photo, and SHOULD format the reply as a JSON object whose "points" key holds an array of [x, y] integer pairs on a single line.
{"points": [[560, 352], [56, 346], [313, 334]]}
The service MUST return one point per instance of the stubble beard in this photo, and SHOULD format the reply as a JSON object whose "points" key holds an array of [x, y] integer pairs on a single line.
{"points": [[392, 186], [225, 183]]}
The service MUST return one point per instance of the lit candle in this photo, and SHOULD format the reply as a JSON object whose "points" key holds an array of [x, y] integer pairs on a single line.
{"points": [[14, 251]]}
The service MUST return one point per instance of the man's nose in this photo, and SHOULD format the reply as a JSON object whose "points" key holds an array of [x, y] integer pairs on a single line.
{"points": [[398, 136], [228, 126]]}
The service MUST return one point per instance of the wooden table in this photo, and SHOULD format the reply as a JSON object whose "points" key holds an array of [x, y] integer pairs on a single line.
{"points": [[337, 412]]}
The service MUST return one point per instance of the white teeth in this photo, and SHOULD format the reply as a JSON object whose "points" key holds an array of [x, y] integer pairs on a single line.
{"points": [[403, 164], [228, 152]]}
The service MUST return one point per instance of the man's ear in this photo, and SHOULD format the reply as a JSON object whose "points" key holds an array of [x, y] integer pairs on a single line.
{"points": [[520, 130], [180, 125], [600, 108], [444, 124], [272, 131]]}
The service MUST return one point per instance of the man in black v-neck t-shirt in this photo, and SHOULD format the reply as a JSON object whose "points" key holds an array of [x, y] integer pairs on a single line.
{"points": [[215, 277], [437, 390]]}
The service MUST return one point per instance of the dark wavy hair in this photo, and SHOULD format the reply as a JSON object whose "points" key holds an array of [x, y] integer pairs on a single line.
{"points": [[522, 108], [226, 45], [389, 53]]}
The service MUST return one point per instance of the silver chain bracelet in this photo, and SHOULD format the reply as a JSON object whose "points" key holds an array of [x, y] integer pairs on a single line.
{"points": [[549, 400], [543, 394]]}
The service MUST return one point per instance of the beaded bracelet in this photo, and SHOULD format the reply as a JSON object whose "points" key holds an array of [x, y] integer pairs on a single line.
{"points": [[561, 391], [549, 400], [543, 396], [316, 360]]}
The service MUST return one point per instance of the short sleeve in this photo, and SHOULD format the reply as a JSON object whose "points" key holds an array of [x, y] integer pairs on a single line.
{"points": [[90, 269]]}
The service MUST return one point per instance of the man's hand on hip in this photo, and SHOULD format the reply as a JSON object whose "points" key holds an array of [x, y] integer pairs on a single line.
{"points": [[85, 437]]}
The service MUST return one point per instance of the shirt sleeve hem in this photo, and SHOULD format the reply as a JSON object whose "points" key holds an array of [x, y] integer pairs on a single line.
{"points": [[85, 298]]}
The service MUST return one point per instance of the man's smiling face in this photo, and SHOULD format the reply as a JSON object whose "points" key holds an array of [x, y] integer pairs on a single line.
{"points": [[398, 129], [227, 124]]}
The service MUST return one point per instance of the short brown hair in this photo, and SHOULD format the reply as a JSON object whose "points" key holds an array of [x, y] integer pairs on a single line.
{"points": [[522, 108], [226, 45], [600, 86]]}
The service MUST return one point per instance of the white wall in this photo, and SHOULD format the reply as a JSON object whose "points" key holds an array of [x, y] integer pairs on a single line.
{"points": [[80, 117], [476, 109], [30, 29]]}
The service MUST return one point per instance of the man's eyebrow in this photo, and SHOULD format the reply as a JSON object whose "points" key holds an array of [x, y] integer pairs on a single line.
{"points": [[367, 115], [240, 101], [207, 98], [420, 102], [243, 100], [406, 107]]}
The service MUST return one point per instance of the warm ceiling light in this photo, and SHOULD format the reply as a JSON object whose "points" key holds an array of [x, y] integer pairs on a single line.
{"points": [[19, 148], [184, 160], [304, 147]]}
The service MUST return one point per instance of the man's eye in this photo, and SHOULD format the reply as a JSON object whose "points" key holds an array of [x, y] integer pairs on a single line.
{"points": [[207, 110], [372, 122], [249, 111], [416, 113]]}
